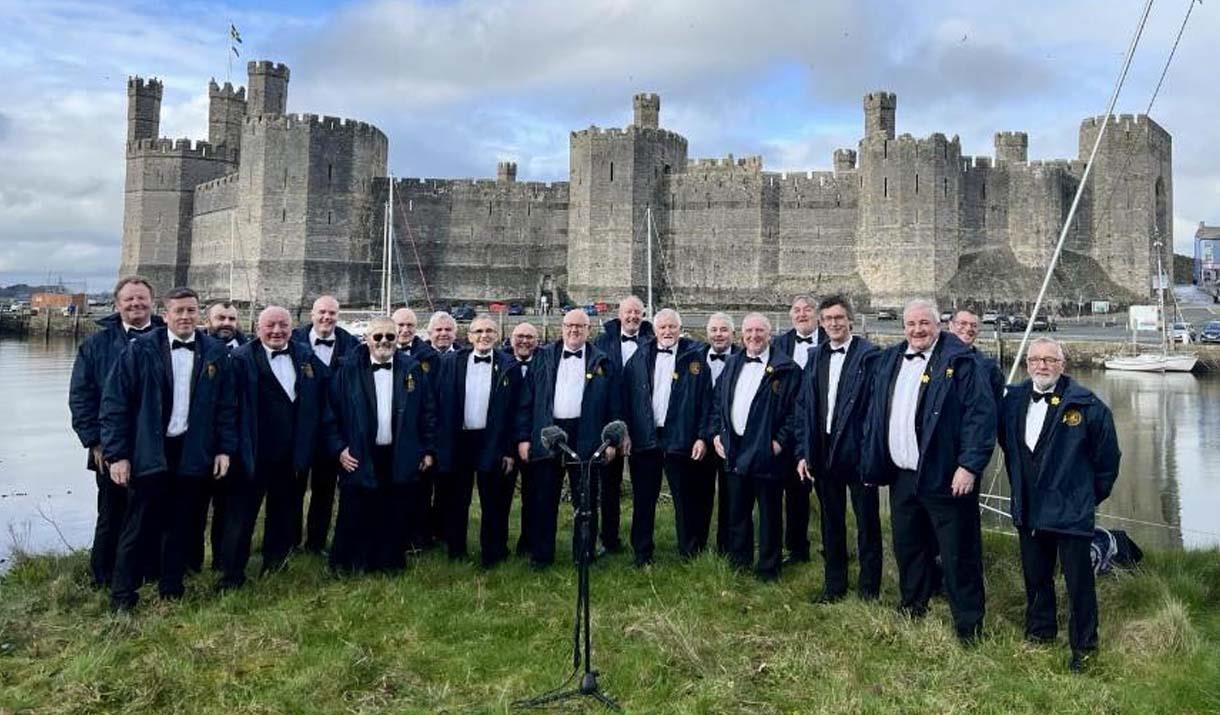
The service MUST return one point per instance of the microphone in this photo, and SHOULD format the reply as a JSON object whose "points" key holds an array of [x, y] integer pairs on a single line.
{"points": [[613, 435], [553, 438]]}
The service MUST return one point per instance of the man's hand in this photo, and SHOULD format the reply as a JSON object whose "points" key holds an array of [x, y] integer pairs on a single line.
{"points": [[220, 466], [626, 449], [963, 482], [347, 461], [775, 448], [120, 472], [802, 471], [699, 450], [96, 451], [426, 463], [523, 451], [506, 463], [719, 446], [608, 455]]}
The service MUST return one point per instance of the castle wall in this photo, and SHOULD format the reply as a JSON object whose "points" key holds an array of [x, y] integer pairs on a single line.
{"points": [[213, 232]]}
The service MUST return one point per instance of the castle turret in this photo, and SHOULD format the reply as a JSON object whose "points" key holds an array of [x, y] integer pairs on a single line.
{"points": [[1011, 147], [879, 111], [506, 172], [647, 110], [845, 160], [226, 110], [268, 88], [143, 108]]}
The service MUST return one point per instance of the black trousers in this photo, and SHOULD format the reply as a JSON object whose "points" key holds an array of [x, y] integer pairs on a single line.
{"points": [[610, 494], [695, 498], [372, 528], [213, 494], [455, 490], [832, 490], [796, 511], [715, 464], [745, 491], [646, 468], [547, 476], [523, 470], [111, 511], [1038, 556], [278, 486], [921, 522], [322, 478]]}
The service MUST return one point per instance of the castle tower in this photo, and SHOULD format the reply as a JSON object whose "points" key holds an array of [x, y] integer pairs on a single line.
{"points": [[647, 110], [845, 160], [1011, 147], [143, 108], [268, 88], [879, 113], [226, 111], [506, 172]]}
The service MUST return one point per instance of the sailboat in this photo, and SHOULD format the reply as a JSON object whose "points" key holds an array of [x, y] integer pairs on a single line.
{"points": [[357, 327], [1163, 360]]}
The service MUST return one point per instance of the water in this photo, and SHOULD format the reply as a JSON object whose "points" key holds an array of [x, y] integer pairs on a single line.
{"points": [[1166, 496]]}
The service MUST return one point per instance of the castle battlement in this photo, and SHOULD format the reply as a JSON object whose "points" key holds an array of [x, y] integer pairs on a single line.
{"points": [[164, 146], [595, 131], [216, 91], [488, 186], [311, 121], [217, 184], [1011, 138], [152, 85], [1126, 122], [752, 164], [267, 67], [881, 98]]}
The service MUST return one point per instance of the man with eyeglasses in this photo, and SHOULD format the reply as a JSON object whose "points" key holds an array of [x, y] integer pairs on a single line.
{"points": [[409, 343], [573, 386], [965, 325], [385, 439], [475, 440], [930, 434], [1062, 457], [524, 343]]}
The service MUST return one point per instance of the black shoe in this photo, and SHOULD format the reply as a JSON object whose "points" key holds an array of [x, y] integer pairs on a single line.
{"points": [[766, 576], [914, 612], [865, 594], [793, 559], [171, 595], [1037, 639], [615, 547], [123, 607], [642, 562], [970, 639], [225, 585], [1079, 662], [827, 597]]}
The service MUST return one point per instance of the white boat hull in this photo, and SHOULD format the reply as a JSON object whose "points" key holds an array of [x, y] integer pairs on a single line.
{"points": [[1152, 362]]}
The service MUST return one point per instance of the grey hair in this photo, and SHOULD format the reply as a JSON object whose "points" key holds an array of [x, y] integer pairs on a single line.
{"points": [[272, 309], [921, 304], [1047, 341], [668, 313], [766, 321], [438, 317], [721, 315]]}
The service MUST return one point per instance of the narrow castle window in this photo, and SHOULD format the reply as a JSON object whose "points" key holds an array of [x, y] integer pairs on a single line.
{"points": [[328, 217], [885, 187], [983, 191], [885, 149], [946, 180], [612, 171], [917, 184], [330, 170], [285, 178], [283, 215]]}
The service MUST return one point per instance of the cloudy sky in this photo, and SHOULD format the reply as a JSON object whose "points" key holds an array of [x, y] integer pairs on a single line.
{"points": [[460, 85]]}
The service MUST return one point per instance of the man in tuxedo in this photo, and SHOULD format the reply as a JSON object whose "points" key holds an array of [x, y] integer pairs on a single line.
{"points": [[167, 424], [965, 325], [796, 343], [524, 343], [830, 410], [571, 385], [619, 339], [1062, 457], [442, 331], [133, 302], [754, 398], [409, 342], [385, 436], [930, 433], [331, 344], [222, 324], [475, 441], [283, 415], [712, 485], [668, 409]]}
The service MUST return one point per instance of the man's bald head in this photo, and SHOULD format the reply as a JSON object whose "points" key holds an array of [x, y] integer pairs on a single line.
{"points": [[324, 315]]}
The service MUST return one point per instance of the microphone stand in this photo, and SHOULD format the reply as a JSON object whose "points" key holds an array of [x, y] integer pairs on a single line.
{"points": [[588, 686]]}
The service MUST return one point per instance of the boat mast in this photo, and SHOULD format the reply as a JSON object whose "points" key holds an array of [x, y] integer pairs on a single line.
{"points": [[387, 282], [648, 218], [1160, 295]]}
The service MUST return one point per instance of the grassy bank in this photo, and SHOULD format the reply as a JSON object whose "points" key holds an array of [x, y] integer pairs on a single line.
{"points": [[678, 637]]}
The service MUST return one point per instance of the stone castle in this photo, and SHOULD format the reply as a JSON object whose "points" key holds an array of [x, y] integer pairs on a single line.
{"points": [[279, 208]]}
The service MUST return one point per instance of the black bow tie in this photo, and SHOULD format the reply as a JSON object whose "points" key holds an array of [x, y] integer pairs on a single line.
{"points": [[486, 359], [568, 353], [404, 349], [185, 346], [328, 342], [841, 351], [716, 356], [809, 339], [1039, 396], [382, 366], [667, 351], [754, 359], [133, 332], [277, 353], [630, 338], [912, 356]]}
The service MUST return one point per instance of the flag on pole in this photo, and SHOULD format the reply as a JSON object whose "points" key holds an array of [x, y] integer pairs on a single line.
{"points": [[235, 36]]}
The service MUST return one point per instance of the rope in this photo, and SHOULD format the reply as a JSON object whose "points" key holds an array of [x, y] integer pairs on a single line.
{"points": [[1112, 517], [418, 263]]}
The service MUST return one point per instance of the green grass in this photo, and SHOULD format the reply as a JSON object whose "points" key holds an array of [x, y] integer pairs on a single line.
{"points": [[677, 637]]}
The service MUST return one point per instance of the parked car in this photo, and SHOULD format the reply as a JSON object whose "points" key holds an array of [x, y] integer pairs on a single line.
{"points": [[887, 314], [498, 308], [1011, 323], [567, 305], [516, 309], [591, 310], [1183, 332], [946, 316], [462, 312], [1211, 332], [1043, 323], [990, 318]]}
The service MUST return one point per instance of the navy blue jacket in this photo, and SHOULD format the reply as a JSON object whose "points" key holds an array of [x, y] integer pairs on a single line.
{"points": [[423, 352], [839, 454], [312, 407], [994, 374], [1074, 466], [500, 433], [353, 399], [769, 419], [599, 405], [689, 416], [94, 359], [786, 342], [139, 395], [955, 421], [610, 341], [345, 342]]}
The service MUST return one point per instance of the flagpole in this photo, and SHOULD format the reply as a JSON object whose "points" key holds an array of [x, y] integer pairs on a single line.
{"points": [[229, 54]]}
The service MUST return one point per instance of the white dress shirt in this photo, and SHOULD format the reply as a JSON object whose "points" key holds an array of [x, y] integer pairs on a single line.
{"points": [[716, 366], [748, 381], [800, 351], [569, 385], [1035, 417], [834, 371], [628, 347], [662, 384], [383, 382], [478, 391], [285, 372], [324, 352], [525, 365], [183, 363], [904, 447]]}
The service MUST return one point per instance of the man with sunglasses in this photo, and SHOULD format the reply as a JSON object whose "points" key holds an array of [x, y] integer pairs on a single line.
{"points": [[385, 437], [1061, 453]]}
